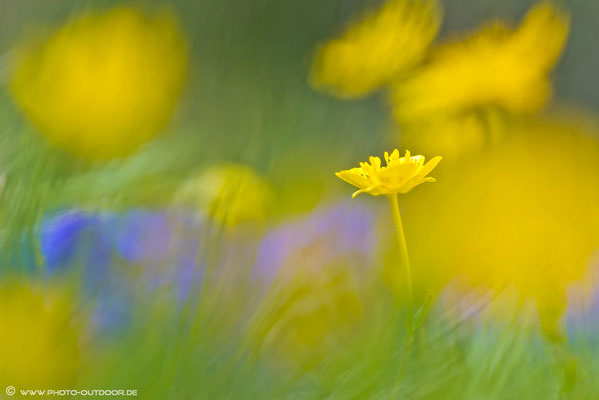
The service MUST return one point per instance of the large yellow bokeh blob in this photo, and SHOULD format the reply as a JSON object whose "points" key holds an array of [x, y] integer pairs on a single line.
{"points": [[39, 339], [103, 84], [524, 213]]}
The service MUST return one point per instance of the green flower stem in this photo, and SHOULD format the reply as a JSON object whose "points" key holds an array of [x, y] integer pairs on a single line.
{"points": [[403, 247]]}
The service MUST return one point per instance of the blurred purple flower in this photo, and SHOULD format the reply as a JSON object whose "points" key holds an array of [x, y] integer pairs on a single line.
{"points": [[581, 318], [344, 233], [140, 235]]}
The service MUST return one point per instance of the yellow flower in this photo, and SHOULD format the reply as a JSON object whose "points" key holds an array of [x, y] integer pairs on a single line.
{"points": [[104, 83], [385, 43], [523, 213], [498, 66], [231, 194], [400, 175], [39, 339]]}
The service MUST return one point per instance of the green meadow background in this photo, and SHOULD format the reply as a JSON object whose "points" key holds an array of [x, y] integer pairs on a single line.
{"points": [[247, 100]]}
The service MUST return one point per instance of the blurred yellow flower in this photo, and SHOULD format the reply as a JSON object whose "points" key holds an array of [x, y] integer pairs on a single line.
{"points": [[104, 83], [38, 338], [371, 52], [523, 213], [232, 194], [309, 312], [400, 175], [497, 66], [456, 137]]}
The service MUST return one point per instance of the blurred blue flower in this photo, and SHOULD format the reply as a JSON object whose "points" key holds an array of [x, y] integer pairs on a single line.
{"points": [[124, 257], [76, 238]]}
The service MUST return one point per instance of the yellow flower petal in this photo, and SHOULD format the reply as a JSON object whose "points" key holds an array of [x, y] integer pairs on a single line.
{"points": [[429, 166], [354, 176]]}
